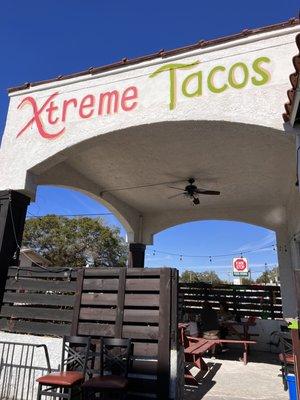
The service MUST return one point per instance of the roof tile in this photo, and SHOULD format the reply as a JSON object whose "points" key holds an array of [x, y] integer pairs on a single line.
{"points": [[164, 54], [294, 79]]}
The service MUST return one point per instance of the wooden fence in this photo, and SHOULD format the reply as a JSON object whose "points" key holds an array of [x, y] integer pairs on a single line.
{"points": [[244, 300], [39, 302], [101, 302]]}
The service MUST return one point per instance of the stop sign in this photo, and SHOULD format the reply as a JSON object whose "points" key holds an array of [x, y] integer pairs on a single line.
{"points": [[240, 264]]}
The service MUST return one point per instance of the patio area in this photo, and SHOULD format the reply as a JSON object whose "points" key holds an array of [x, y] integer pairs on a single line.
{"points": [[228, 379]]}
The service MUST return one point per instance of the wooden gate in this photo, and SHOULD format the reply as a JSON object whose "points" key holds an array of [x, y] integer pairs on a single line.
{"points": [[137, 304], [101, 302]]}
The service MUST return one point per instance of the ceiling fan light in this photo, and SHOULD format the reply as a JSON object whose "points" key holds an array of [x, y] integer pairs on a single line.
{"points": [[196, 201]]}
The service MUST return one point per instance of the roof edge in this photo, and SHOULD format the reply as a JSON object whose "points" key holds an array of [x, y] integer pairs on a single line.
{"points": [[162, 53], [295, 82]]}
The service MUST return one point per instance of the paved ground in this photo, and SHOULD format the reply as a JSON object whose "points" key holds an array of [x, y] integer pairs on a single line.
{"points": [[229, 379]]}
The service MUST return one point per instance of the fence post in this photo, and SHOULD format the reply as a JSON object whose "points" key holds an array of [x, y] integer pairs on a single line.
{"points": [[271, 296], [234, 300], [164, 339], [13, 207]]}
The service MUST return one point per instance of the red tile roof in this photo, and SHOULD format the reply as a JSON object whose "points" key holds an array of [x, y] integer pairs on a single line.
{"points": [[295, 82], [163, 54]]}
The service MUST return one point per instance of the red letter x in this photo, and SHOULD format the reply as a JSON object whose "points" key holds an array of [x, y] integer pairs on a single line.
{"points": [[36, 117]]}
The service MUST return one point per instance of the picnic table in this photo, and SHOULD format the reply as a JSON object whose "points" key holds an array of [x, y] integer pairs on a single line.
{"points": [[245, 325], [195, 348]]}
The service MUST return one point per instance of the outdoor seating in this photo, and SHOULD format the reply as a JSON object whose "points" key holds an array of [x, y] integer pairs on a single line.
{"points": [[75, 352], [244, 342], [232, 327], [194, 349], [286, 357], [112, 375]]}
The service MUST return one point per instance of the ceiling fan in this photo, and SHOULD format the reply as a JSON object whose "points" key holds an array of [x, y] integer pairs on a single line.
{"points": [[192, 191]]}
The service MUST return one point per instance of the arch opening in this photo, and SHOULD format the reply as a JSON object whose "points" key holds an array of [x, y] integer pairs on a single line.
{"points": [[131, 171]]}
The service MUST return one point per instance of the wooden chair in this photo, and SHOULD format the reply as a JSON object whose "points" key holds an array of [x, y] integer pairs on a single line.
{"points": [[62, 384], [286, 357], [114, 364]]}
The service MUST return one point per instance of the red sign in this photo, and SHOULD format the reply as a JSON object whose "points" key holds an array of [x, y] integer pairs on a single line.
{"points": [[240, 265]]}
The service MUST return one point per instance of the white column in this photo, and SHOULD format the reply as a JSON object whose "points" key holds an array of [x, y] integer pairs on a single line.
{"points": [[286, 273]]}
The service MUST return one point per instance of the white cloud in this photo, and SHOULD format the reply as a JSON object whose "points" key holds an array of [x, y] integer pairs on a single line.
{"points": [[268, 240]]}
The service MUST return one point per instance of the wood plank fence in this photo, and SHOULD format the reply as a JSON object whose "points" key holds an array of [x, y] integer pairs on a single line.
{"points": [[244, 300], [140, 304]]}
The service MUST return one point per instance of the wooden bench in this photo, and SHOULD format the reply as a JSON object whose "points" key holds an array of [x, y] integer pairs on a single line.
{"points": [[194, 349], [246, 344]]}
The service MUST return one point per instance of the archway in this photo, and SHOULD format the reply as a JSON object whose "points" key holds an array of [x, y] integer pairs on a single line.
{"points": [[136, 185], [118, 135]]}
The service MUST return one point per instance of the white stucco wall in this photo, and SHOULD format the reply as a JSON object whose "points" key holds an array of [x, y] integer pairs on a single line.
{"points": [[258, 105], [246, 120]]}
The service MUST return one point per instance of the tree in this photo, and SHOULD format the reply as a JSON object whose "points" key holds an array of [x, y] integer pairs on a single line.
{"points": [[205, 276], [269, 276], [74, 242], [246, 281], [189, 276]]}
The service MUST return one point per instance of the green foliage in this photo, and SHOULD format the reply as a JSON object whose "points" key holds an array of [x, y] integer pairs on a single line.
{"points": [[205, 276], [247, 281], [74, 242], [269, 276]]}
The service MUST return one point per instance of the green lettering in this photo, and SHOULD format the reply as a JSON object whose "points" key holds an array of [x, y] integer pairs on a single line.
{"points": [[188, 79], [210, 80], [232, 79], [173, 86], [264, 74]]}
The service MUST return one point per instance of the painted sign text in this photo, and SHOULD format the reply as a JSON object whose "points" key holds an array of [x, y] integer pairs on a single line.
{"points": [[217, 80], [54, 114]]}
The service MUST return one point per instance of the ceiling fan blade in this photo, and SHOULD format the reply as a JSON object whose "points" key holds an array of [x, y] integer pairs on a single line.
{"points": [[173, 187], [209, 192], [175, 195]]}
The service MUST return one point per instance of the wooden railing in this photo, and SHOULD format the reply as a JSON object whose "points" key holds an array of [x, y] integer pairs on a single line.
{"points": [[244, 300]]}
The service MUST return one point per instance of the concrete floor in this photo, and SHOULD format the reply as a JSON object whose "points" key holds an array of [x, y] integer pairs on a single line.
{"points": [[229, 379]]}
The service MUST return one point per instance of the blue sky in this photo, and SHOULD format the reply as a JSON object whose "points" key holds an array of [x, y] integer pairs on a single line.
{"points": [[44, 39]]}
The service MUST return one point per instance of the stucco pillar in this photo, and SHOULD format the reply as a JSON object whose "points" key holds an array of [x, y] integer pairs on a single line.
{"points": [[286, 273], [136, 255], [13, 207]]}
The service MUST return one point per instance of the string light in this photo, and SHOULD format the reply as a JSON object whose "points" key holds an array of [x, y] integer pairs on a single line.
{"points": [[209, 257], [70, 215]]}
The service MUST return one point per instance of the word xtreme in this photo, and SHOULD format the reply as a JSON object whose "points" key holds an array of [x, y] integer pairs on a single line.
{"points": [[216, 80], [56, 114], [51, 116]]}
